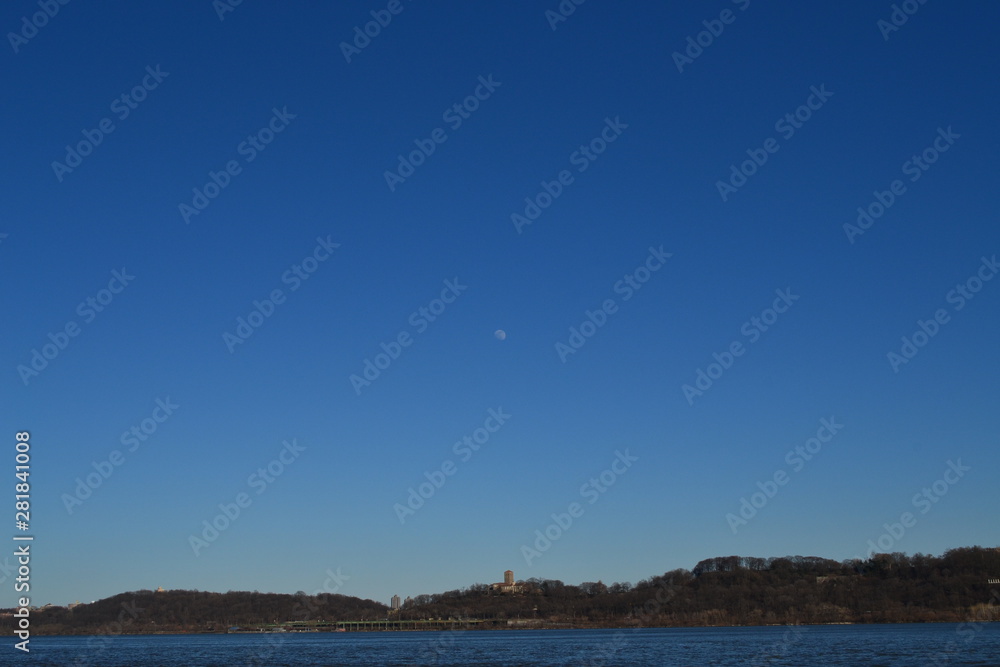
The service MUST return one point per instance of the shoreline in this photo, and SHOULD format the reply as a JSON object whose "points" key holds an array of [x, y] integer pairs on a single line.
{"points": [[506, 628]]}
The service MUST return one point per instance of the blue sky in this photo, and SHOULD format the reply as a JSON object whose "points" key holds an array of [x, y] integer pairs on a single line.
{"points": [[315, 196]]}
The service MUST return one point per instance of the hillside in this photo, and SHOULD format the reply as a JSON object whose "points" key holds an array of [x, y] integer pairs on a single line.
{"points": [[732, 590]]}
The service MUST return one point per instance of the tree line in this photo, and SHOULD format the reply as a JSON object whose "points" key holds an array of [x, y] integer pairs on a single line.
{"points": [[729, 590]]}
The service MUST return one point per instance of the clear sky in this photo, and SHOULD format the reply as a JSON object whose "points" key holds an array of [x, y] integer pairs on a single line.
{"points": [[214, 219]]}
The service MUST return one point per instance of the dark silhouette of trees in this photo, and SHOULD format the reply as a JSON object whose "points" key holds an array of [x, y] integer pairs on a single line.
{"points": [[729, 590]]}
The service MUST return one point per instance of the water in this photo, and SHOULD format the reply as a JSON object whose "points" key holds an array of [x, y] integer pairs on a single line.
{"points": [[917, 645]]}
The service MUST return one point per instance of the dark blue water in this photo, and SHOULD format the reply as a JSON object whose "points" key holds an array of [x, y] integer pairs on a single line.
{"points": [[876, 645]]}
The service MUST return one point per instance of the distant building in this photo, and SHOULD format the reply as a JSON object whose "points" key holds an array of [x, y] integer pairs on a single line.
{"points": [[159, 589], [507, 585], [396, 602]]}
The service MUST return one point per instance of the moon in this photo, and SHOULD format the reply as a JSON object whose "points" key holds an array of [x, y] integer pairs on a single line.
{"points": [[500, 334]]}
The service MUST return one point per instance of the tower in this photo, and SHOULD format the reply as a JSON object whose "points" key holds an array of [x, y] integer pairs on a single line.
{"points": [[508, 577]]}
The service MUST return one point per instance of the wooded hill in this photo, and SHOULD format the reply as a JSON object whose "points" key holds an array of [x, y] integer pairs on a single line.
{"points": [[732, 590]]}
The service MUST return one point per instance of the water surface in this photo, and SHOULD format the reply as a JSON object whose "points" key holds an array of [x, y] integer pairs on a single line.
{"points": [[916, 645]]}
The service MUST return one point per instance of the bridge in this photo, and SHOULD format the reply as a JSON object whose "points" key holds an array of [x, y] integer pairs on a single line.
{"points": [[437, 624], [364, 626]]}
